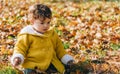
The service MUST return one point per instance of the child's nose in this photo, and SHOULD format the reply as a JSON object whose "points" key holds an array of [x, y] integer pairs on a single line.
{"points": [[46, 25]]}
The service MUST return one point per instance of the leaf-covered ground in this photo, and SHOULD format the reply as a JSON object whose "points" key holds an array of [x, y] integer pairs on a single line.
{"points": [[89, 30]]}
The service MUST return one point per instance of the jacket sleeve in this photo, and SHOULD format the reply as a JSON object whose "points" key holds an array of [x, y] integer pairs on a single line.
{"points": [[60, 51], [22, 45], [59, 48]]}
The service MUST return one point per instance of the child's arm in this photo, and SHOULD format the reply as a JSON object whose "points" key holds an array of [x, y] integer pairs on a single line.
{"points": [[20, 50], [60, 51]]}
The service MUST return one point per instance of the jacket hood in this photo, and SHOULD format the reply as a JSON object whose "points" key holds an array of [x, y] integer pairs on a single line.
{"points": [[29, 30]]}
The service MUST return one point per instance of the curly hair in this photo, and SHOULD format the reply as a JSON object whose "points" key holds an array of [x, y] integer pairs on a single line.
{"points": [[40, 11]]}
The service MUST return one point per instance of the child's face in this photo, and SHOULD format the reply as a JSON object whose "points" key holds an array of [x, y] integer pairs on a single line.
{"points": [[42, 26]]}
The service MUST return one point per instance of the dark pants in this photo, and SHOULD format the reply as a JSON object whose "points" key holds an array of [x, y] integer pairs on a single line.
{"points": [[51, 69], [29, 71]]}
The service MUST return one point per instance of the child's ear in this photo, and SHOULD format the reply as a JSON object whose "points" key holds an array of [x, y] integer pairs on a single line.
{"points": [[32, 21], [30, 18]]}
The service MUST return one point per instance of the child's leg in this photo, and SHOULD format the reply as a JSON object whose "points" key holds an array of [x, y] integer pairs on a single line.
{"points": [[67, 69], [29, 71], [51, 69]]}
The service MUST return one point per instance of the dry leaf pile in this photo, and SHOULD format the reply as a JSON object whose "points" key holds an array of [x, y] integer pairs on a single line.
{"points": [[89, 30]]}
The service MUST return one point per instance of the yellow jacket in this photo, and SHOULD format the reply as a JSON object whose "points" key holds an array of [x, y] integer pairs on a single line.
{"points": [[40, 49]]}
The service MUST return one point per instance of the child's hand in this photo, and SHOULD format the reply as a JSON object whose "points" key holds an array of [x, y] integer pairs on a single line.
{"points": [[71, 62], [17, 61], [69, 65]]}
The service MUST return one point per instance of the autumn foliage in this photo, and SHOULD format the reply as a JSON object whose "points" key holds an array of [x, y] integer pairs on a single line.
{"points": [[90, 32]]}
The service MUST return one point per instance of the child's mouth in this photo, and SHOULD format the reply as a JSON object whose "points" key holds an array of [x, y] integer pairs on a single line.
{"points": [[45, 29]]}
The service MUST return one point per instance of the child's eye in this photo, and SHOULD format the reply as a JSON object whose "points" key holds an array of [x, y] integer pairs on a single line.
{"points": [[41, 23], [48, 23]]}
